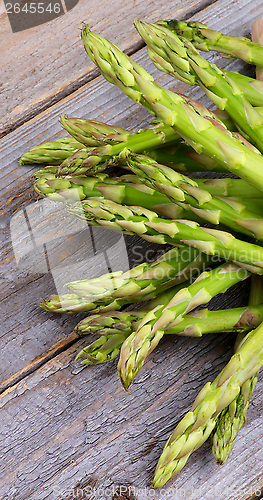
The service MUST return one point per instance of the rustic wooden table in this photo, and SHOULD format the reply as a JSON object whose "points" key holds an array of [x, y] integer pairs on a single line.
{"points": [[67, 431]]}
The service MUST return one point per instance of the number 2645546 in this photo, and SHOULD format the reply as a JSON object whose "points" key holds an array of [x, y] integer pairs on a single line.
{"points": [[33, 8]]}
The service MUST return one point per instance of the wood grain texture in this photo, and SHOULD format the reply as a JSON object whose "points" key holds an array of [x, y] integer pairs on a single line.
{"points": [[64, 428], [41, 65]]}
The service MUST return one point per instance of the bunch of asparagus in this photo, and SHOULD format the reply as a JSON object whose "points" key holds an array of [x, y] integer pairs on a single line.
{"points": [[206, 221]]}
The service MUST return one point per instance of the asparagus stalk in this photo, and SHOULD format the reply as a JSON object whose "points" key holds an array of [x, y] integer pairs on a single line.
{"points": [[178, 155], [109, 323], [68, 188], [257, 37], [72, 188], [206, 39], [88, 133], [188, 194], [93, 133], [229, 187], [144, 282], [197, 425], [251, 88], [53, 152], [102, 350], [179, 58], [190, 120], [136, 220], [114, 328], [230, 421], [234, 416], [97, 160], [152, 327], [194, 324], [125, 190]]}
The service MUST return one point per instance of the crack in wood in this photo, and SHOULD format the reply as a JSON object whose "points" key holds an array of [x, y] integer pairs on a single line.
{"points": [[37, 363]]}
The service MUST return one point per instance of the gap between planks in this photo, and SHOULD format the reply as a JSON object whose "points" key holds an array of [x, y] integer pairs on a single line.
{"points": [[57, 348]]}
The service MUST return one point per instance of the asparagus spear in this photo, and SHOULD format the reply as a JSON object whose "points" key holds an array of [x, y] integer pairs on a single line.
{"points": [[97, 135], [178, 155], [234, 416], [188, 194], [89, 133], [229, 187], [117, 326], [194, 324], [144, 282], [192, 121], [73, 188], [206, 39], [197, 425], [125, 190], [114, 328], [93, 133], [146, 223], [251, 88], [113, 72], [68, 188], [230, 421], [53, 152], [257, 37], [178, 57], [109, 323], [152, 327], [102, 350], [97, 159]]}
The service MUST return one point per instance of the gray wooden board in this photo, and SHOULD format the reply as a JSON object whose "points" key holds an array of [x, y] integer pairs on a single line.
{"points": [[46, 70], [61, 428]]}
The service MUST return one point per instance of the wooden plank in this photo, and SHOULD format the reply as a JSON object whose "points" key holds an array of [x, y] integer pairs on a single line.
{"points": [[21, 289], [50, 61]]}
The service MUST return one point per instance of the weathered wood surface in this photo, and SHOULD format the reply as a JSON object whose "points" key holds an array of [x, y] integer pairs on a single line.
{"points": [[37, 67], [61, 429]]}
